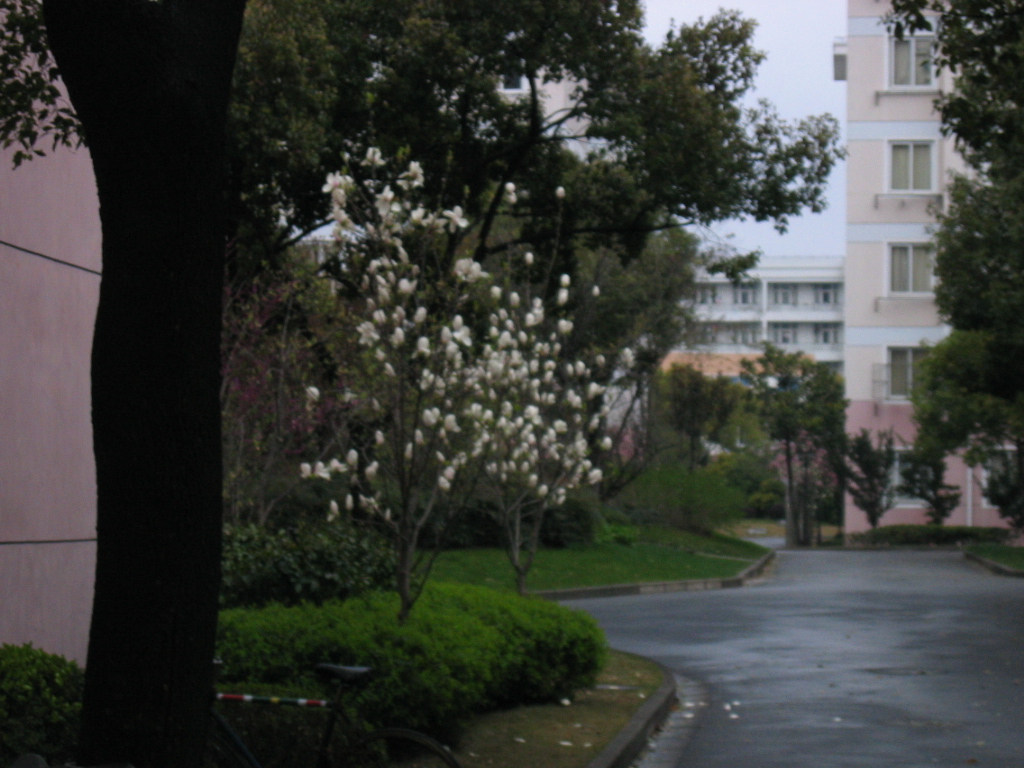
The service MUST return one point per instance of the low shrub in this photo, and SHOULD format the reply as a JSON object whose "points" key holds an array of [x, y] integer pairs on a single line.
{"points": [[40, 701], [929, 535], [463, 650], [313, 561]]}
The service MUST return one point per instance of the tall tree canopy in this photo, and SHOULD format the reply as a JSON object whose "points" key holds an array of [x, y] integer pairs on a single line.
{"points": [[644, 137]]}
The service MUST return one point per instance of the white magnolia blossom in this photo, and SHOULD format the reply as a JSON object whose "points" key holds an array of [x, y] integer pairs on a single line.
{"points": [[493, 397]]}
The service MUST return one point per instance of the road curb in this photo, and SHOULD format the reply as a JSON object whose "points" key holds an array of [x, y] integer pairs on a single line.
{"points": [[633, 739], [656, 587], [992, 565]]}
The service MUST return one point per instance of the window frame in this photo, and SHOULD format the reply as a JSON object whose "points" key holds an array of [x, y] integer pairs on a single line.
{"points": [[741, 290], [929, 250], [914, 42], [914, 357], [821, 289], [820, 329], [911, 144], [775, 328], [787, 290]]}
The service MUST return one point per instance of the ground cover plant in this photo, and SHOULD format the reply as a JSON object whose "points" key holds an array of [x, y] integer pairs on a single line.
{"points": [[1004, 554]]}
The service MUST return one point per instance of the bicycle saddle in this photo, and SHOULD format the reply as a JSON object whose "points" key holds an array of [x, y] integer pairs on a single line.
{"points": [[344, 674]]}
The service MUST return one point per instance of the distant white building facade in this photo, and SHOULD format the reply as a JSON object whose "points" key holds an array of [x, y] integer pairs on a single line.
{"points": [[795, 303]]}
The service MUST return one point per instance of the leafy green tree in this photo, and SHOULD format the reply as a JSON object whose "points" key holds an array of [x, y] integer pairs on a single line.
{"points": [[649, 137], [922, 476], [32, 107], [803, 409], [699, 408], [958, 404], [871, 474]]}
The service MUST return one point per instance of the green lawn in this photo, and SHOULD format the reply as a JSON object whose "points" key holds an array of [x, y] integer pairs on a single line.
{"points": [[715, 544], [594, 565], [1011, 557]]}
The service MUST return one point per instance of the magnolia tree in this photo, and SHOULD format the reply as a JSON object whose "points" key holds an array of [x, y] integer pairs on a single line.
{"points": [[460, 383], [532, 415]]}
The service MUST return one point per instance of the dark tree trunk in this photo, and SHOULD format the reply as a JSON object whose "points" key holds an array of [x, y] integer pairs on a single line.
{"points": [[150, 82]]}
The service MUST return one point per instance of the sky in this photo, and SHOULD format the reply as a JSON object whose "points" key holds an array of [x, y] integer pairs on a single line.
{"points": [[797, 36]]}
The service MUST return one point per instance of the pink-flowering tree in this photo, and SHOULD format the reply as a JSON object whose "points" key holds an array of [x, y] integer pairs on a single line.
{"points": [[281, 402]]}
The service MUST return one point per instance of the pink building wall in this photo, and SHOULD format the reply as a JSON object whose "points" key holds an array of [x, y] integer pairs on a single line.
{"points": [[49, 282], [974, 510]]}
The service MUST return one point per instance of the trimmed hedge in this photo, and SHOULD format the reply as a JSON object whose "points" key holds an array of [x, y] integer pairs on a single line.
{"points": [[40, 702], [929, 535], [313, 561], [463, 650]]}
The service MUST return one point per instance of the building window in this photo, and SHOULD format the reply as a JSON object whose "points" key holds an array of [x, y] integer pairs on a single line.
{"points": [[902, 362], [911, 167], [746, 334], [745, 295], [782, 333], [911, 268], [826, 333], [827, 294], [912, 61], [897, 480], [784, 294], [707, 294]]}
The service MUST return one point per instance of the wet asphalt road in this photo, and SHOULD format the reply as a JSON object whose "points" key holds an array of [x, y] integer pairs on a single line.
{"points": [[880, 659]]}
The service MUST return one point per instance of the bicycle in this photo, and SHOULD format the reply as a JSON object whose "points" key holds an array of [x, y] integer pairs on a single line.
{"points": [[382, 748]]}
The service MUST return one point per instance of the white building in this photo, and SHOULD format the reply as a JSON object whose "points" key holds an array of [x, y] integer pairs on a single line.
{"points": [[795, 303]]}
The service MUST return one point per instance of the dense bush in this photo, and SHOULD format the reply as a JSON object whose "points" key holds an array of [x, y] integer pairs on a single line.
{"points": [[40, 700], [314, 561], [699, 501], [463, 649], [933, 535], [573, 522]]}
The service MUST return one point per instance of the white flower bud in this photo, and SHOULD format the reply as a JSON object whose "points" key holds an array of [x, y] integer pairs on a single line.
{"points": [[595, 291], [563, 296], [371, 471], [379, 437], [565, 281], [528, 258], [305, 470], [560, 193], [352, 458]]}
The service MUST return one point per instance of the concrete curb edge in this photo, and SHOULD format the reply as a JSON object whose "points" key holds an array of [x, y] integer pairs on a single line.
{"points": [[656, 587], [631, 740], [992, 565]]}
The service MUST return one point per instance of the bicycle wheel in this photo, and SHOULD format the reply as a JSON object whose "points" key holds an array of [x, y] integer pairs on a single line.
{"points": [[221, 753], [398, 748]]}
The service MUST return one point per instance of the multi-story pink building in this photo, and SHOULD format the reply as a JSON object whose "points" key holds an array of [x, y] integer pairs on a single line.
{"points": [[49, 284], [898, 167]]}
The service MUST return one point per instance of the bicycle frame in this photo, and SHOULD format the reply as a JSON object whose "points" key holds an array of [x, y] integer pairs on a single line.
{"points": [[246, 698]]}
